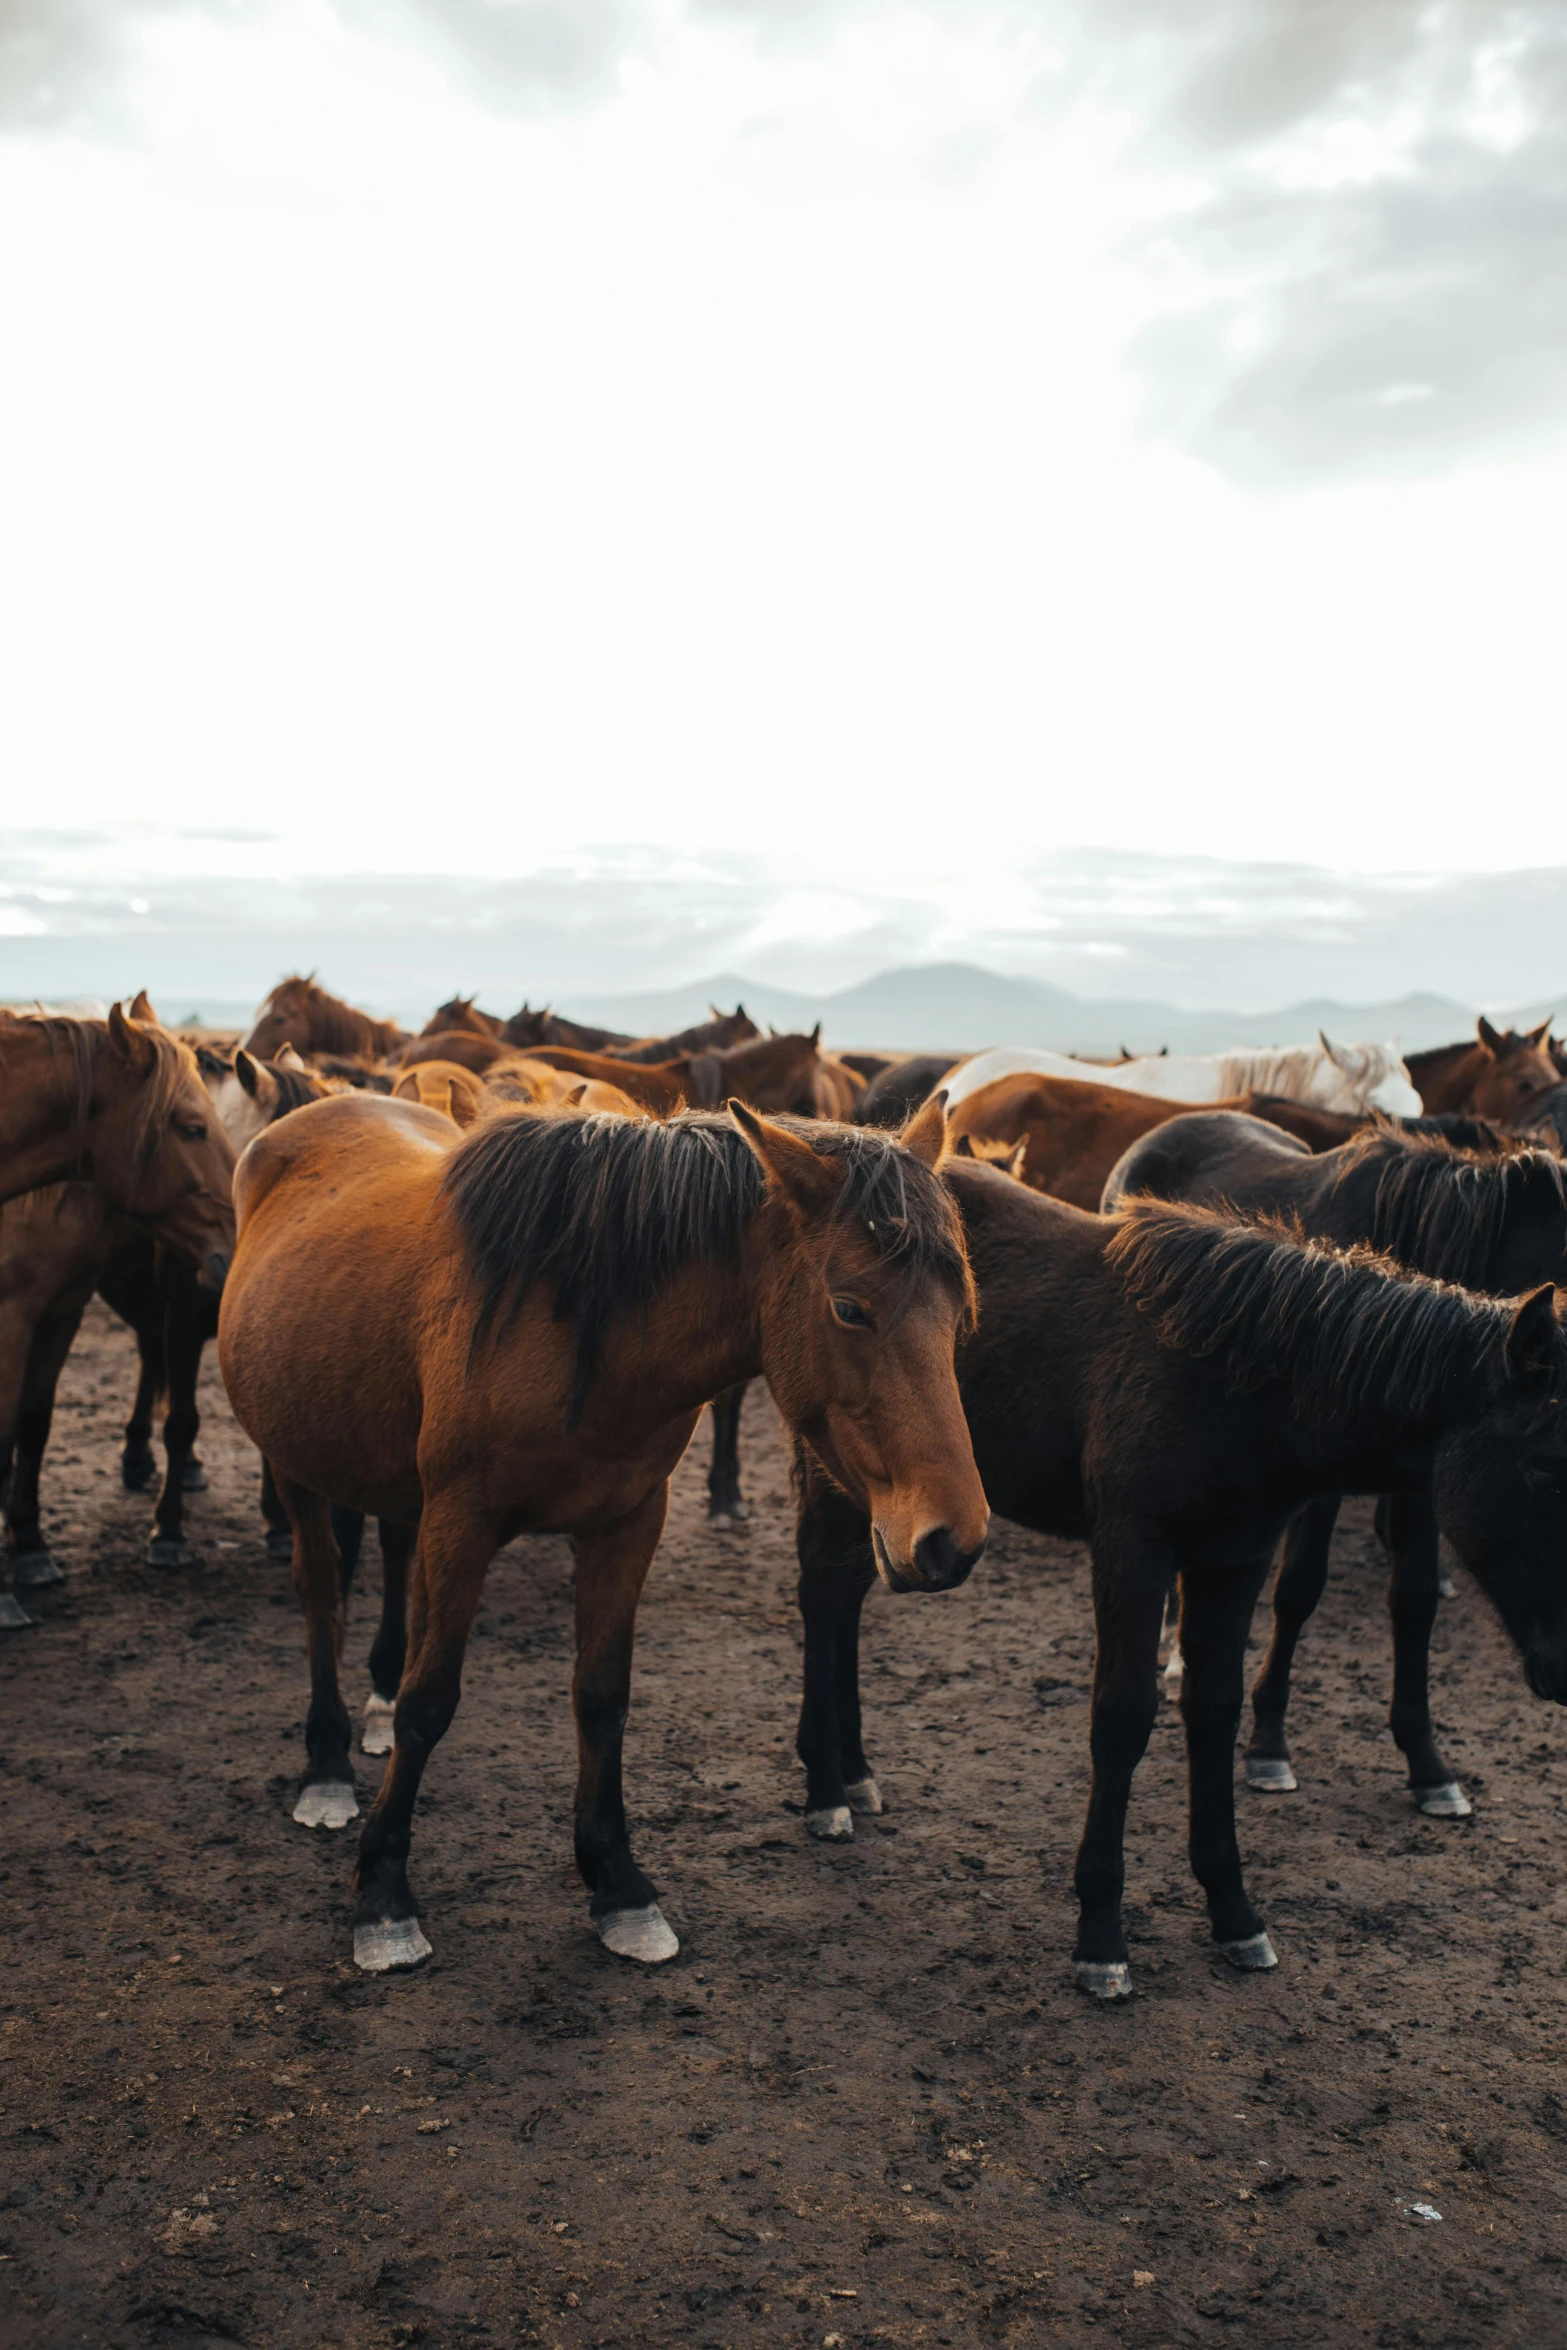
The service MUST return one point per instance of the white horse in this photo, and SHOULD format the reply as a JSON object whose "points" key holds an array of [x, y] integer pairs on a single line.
{"points": [[1357, 1078]]}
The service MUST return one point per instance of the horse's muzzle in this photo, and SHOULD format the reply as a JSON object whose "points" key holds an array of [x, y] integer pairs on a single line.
{"points": [[937, 1564]]}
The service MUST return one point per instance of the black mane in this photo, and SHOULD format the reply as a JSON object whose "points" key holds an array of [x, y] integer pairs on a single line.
{"points": [[1443, 1206], [610, 1209], [1348, 1329]]}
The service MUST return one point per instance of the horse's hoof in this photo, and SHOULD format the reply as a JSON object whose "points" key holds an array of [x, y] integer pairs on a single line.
{"points": [[1254, 1956], [34, 1568], [389, 1943], [166, 1553], [1445, 1587], [138, 1473], [642, 1934], [280, 1546], [1271, 1774], [193, 1478], [720, 1521], [327, 1803], [13, 1616], [741, 1510], [1103, 1980], [864, 1796], [833, 1826], [1448, 1802], [376, 1736]]}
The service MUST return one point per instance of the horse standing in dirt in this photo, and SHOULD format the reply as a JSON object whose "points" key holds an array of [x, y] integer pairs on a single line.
{"points": [[535, 1314], [1493, 1220], [1171, 1386]]}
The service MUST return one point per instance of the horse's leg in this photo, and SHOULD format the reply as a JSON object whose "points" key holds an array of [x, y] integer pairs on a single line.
{"points": [[611, 1570], [1216, 1612], [52, 1339], [390, 1645], [832, 1538], [182, 1344], [1131, 1578], [280, 1534], [326, 1793], [15, 1339], [348, 1532], [724, 1503], [1297, 1592], [1412, 1596], [455, 1546], [138, 1463]]}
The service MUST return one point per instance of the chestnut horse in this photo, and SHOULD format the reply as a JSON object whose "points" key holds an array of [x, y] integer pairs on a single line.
{"points": [[446, 1087], [300, 1013], [535, 1315], [1497, 1076]]}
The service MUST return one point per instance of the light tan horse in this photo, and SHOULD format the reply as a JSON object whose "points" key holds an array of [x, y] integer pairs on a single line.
{"points": [[517, 1330]]}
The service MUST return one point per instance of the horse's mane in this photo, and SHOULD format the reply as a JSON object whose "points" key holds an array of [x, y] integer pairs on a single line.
{"points": [[1441, 1205], [76, 1047], [610, 1209], [334, 1026], [1349, 1330]]}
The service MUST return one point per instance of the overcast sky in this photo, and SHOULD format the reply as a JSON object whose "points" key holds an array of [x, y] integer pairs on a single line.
{"points": [[896, 436]]}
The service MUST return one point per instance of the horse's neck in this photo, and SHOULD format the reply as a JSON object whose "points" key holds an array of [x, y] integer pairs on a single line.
{"points": [[42, 1137]]}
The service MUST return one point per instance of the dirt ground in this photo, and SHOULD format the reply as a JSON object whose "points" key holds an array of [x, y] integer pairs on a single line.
{"points": [[866, 2104]]}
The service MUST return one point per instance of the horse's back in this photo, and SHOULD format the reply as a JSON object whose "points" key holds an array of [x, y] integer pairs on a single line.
{"points": [[349, 1138], [1201, 1155]]}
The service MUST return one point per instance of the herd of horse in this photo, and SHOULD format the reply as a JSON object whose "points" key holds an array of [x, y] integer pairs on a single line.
{"points": [[482, 1281]]}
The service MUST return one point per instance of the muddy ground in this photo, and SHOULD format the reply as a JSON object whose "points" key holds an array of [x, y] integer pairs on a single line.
{"points": [[866, 2105]]}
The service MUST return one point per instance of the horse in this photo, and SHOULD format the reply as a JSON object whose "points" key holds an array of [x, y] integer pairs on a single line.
{"points": [[461, 1011], [1170, 1384], [446, 1087], [708, 1036], [1359, 1077], [779, 1073], [527, 1029], [300, 1013], [1493, 1220], [1497, 1076], [894, 1094], [536, 1313]]}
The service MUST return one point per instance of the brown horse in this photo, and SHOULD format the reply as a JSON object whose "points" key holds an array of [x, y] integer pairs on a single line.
{"points": [[708, 1036], [300, 1013], [461, 1011], [535, 1315], [526, 1029], [447, 1088], [120, 1105], [465, 1046], [1497, 1076]]}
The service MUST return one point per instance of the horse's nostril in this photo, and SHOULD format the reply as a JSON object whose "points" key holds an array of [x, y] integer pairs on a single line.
{"points": [[939, 1562]]}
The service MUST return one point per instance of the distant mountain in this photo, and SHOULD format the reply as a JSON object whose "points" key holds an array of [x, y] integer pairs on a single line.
{"points": [[959, 1007]]}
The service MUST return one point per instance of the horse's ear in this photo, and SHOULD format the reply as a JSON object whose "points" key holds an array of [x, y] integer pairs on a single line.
{"points": [[963, 1148], [1532, 1341], [1015, 1162], [141, 1009], [1333, 1052], [132, 1043], [573, 1100], [287, 1058], [1537, 1036], [816, 1036], [807, 1180], [1488, 1037], [248, 1072], [925, 1136]]}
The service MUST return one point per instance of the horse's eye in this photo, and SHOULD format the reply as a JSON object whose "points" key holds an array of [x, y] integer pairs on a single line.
{"points": [[189, 1130], [851, 1313]]}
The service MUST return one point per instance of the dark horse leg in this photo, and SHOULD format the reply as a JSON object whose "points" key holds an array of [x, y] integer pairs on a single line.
{"points": [[837, 1568], [138, 1462], [1217, 1605], [187, 1319], [1297, 1593], [1131, 1578], [455, 1546], [280, 1534], [389, 1648], [52, 1339], [724, 1503], [1413, 1539], [326, 1795]]}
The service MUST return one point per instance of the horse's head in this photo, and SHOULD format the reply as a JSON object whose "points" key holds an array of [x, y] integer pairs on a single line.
{"points": [[1501, 1492], [285, 1018], [1366, 1077], [1516, 1068], [774, 1073], [863, 1287], [159, 1150]]}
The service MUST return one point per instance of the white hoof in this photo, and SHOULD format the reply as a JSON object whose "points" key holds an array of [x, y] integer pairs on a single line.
{"points": [[13, 1616], [1174, 1671], [864, 1797], [1254, 1956], [1443, 1803], [389, 1943], [326, 1804], [642, 1934], [1271, 1774], [1445, 1587], [35, 1569], [833, 1827], [1103, 1981], [720, 1522], [376, 1736]]}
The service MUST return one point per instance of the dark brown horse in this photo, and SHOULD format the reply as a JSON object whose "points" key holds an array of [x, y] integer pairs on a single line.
{"points": [[300, 1013], [1171, 1385], [461, 1011], [534, 1316], [465, 1046], [708, 1036], [526, 1029], [1497, 1076]]}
